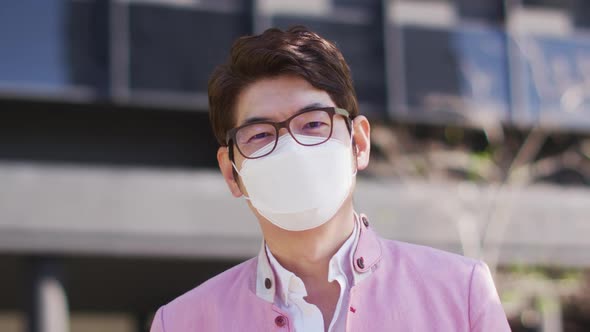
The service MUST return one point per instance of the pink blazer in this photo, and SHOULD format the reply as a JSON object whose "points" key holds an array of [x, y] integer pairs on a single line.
{"points": [[400, 287]]}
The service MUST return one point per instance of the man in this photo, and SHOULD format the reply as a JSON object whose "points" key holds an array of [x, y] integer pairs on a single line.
{"points": [[286, 116]]}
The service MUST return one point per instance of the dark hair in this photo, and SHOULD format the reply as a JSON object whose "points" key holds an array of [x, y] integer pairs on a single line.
{"points": [[296, 51]]}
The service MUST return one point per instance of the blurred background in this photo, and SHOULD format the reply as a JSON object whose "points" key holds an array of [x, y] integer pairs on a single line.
{"points": [[111, 203]]}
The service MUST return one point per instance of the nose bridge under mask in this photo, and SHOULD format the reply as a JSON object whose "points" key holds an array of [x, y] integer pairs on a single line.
{"points": [[299, 187]]}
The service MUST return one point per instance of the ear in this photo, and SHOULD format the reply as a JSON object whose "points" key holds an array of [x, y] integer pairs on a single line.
{"points": [[362, 139], [226, 168]]}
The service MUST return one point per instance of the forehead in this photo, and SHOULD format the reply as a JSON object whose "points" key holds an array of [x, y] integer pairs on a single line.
{"points": [[278, 98]]}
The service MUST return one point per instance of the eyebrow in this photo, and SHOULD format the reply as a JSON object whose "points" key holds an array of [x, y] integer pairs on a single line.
{"points": [[262, 118]]}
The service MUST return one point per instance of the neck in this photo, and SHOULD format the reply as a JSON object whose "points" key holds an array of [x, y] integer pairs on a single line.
{"points": [[308, 253]]}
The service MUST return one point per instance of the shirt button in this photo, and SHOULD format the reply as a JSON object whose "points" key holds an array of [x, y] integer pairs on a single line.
{"points": [[365, 221], [267, 283], [360, 262], [280, 321]]}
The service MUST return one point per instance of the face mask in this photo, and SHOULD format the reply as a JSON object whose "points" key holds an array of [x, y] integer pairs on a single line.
{"points": [[299, 187]]}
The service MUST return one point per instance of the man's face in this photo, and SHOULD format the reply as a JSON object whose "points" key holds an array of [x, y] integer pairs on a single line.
{"points": [[277, 99]]}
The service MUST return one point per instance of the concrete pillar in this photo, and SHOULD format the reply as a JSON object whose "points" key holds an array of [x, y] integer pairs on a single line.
{"points": [[551, 313], [48, 307]]}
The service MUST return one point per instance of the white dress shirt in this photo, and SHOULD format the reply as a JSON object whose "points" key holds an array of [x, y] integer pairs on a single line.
{"points": [[290, 290]]}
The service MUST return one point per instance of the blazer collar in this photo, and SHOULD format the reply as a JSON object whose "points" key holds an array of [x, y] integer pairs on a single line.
{"points": [[366, 253]]}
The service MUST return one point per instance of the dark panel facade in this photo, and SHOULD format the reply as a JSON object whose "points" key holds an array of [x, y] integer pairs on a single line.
{"points": [[54, 47], [179, 53]]}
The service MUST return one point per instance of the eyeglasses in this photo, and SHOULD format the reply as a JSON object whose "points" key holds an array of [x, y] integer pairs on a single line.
{"points": [[308, 128]]}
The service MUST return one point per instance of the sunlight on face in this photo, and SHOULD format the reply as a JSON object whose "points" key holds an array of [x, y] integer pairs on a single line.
{"points": [[278, 98]]}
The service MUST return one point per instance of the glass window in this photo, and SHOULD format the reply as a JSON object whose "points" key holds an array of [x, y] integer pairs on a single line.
{"points": [[456, 70], [580, 15], [558, 75], [52, 44], [485, 10], [179, 52]]}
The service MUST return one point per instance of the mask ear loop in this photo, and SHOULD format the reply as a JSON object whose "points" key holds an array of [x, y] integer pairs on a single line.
{"points": [[353, 146], [236, 169]]}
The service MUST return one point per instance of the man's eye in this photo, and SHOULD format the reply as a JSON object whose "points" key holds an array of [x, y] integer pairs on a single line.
{"points": [[259, 136], [313, 124]]}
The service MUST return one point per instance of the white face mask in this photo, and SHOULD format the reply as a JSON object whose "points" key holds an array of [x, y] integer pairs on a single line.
{"points": [[299, 187]]}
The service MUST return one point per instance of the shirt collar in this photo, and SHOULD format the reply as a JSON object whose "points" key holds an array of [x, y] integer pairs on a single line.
{"points": [[365, 251], [339, 265]]}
